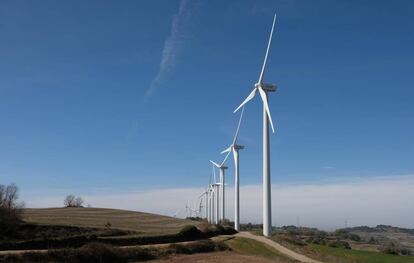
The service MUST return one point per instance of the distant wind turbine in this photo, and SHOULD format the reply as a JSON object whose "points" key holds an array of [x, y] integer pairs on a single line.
{"points": [[234, 148], [222, 185], [263, 89], [216, 197], [204, 196]]}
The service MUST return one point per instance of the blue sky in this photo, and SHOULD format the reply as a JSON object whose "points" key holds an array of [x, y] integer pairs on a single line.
{"points": [[139, 95]]}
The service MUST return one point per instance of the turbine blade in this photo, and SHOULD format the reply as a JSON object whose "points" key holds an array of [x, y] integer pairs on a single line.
{"points": [[251, 96], [266, 105], [267, 51], [214, 174], [238, 127], [218, 166], [225, 159], [226, 150]]}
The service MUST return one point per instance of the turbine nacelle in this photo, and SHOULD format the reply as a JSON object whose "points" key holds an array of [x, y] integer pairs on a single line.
{"points": [[238, 147], [266, 86]]}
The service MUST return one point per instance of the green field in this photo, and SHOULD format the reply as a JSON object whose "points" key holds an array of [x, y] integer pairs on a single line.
{"points": [[251, 247], [359, 256], [142, 223]]}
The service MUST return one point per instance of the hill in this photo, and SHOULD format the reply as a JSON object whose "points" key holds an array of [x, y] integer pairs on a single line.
{"points": [[143, 223], [383, 235]]}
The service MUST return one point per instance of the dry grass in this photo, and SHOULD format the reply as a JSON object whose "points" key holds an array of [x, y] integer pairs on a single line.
{"points": [[142, 223]]}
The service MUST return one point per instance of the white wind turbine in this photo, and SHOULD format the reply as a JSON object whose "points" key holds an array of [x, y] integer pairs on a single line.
{"points": [[204, 196], [211, 197], [234, 148], [188, 210], [215, 198], [222, 185], [210, 208], [263, 89]]}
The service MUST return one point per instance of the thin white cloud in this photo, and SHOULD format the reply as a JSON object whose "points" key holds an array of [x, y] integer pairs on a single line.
{"points": [[172, 45], [369, 201]]}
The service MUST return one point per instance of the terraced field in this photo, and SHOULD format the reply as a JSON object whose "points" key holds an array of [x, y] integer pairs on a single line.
{"points": [[142, 223]]}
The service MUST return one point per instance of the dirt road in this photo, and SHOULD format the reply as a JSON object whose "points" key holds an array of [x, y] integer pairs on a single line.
{"points": [[284, 250]]}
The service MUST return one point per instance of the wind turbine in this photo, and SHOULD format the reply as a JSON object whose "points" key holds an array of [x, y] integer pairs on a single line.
{"points": [[211, 196], [187, 210], [200, 207], [216, 197], [205, 195], [222, 185], [209, 204], [263, 89], [234, 148]]}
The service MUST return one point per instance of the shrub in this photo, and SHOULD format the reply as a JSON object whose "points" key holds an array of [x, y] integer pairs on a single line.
{"points": [[292, 239], [201, 246], [339, 244], [354, 237], [394, 249], [97, 252], [189, 231]]}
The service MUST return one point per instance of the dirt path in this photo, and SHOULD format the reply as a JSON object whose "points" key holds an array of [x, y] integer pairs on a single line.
{"points": [[290, 253]]}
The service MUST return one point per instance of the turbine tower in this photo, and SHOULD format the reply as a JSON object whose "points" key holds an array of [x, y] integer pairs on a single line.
{"points": [[222, 185], [263, 89], [217, 194], [209, 211], [234, 148], [203, 197]]}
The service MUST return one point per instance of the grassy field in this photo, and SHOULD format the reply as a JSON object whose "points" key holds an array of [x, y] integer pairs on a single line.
{"points": [[251, 247], [142, 223], [359, 256]]}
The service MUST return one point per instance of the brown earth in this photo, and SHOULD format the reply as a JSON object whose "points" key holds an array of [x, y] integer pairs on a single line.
{"points": [[145, 223]]}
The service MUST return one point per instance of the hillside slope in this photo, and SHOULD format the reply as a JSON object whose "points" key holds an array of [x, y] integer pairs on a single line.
{"points": [[143, 223]]}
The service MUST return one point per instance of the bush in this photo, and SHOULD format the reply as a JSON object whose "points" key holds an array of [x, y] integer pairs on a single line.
{"points": [[339, 244], [201, 246], [93, 252], [292, 239], [395, 250], [317, 240], [97, 252], [190, 231], [354, 237]]}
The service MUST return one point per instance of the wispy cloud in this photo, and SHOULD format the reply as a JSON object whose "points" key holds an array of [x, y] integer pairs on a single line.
{"points": [[172, 45], [369, 201]]}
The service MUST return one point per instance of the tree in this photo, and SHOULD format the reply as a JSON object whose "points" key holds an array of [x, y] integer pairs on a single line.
{"points": [[79, 202], [73, 201], [10, 209], [69, 201]]}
